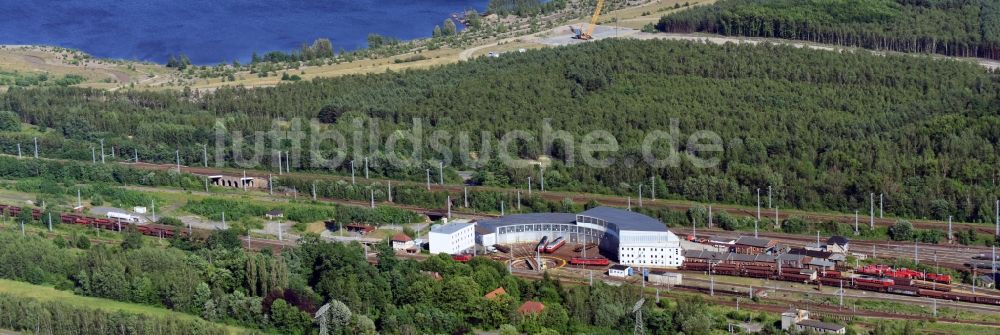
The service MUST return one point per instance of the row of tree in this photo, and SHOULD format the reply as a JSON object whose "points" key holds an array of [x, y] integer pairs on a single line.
{"points": [[58, 318], [948, 27]]}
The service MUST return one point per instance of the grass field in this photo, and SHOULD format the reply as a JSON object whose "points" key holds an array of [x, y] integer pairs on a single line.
{"points": [[45, 293]]}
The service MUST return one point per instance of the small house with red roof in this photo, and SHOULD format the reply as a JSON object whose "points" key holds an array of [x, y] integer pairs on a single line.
{"points": [[402, 242], [495, 293], [531, 307]]}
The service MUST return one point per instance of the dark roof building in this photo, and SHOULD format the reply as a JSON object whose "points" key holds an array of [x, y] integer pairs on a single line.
{"points": [[838, 240]]}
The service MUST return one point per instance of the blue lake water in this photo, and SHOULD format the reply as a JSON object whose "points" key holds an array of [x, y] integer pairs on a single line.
{"points": [[215, 31]]}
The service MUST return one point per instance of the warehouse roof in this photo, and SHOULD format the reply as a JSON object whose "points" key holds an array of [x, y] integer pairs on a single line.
{"points": [[626, 220], [530, 218], [450, 228], [755, 242]]}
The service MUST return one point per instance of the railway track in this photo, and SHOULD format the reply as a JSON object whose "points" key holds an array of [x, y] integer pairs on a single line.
{"points": [[604, 199], [944, 255]]}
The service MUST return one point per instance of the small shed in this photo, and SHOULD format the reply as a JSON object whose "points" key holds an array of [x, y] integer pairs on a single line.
{"points": [[274, 214], [620, 271]]}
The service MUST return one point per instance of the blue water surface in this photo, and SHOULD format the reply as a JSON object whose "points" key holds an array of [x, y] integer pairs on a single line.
{"points": [[213, 31]]}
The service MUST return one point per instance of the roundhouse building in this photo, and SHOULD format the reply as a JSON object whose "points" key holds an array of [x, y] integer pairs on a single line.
{"points": [[634, 239]]}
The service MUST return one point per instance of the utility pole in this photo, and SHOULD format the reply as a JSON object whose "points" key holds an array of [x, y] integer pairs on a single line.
{"points": [[93, 153], [841, 293], [204, 154], [769, 196], [466, 190], [950, 236], [777, 223], [102, 151], [441, 173], [880, 214], [353, 181], [428, 179], [50, 221], [79, 202], [373, 198], [135, 155], [519, 200], [758, 206], [529, 186], [280, 238], [19, 151], [243, 182], [709, 216], [389, 193], [872, 222], [541, 173], [270, 184], [206, 184], [314, 190], [366, 167], [501, 209], [856, 232], [652, 194], [630, 203], [280, 164], [640, 195], [449, 206], [288, 163], [36, 147], [694, 229], [177, 154]]}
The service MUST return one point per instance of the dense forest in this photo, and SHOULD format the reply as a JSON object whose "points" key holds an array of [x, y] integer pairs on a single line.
{"points": [[524, 7], [965, 28], [823, 129]]}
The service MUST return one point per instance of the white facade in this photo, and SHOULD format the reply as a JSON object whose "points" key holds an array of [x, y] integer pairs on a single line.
{"points": [[649, 249], [620, 271], [452, 238], [123, 217], [402, 245]]}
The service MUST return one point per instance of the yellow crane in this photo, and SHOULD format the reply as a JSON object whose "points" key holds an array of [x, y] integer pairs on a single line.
{"points": [[587, 35]]}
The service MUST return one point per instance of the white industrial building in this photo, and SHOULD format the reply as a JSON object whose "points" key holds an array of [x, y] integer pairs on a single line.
{"points": [[452, 238], [634, 239]]}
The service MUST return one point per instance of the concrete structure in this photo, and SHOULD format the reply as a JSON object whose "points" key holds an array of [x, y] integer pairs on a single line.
{"points": [[634, 239], [664, 278], [452, 238], [797, 320], [237, 182], [620, 271]]}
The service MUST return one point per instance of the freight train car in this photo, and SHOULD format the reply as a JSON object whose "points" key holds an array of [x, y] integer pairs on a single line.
{"points": [[596, 261]]}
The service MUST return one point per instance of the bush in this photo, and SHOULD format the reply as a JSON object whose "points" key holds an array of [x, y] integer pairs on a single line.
{"points": [[901, 231], [9, 121]]}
